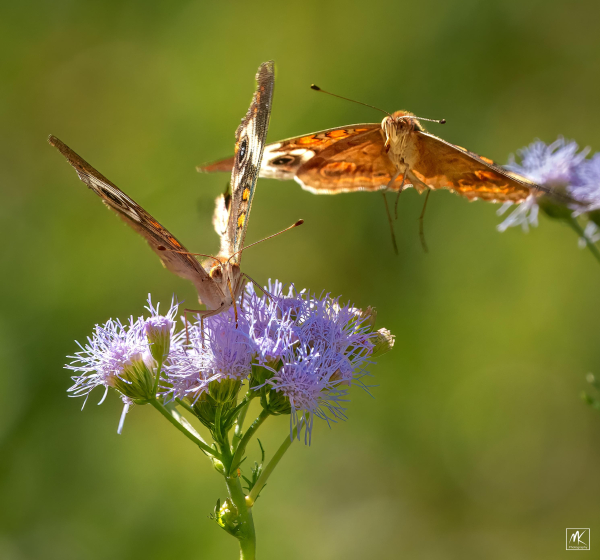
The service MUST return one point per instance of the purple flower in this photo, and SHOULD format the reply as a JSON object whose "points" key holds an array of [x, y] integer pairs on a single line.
{"points": [[585, 185], [108, 355], [115, 356], [334, 344], [124, 357], [222, 352], [554, 166], [300, 351], [271, 327], [550, 165]]}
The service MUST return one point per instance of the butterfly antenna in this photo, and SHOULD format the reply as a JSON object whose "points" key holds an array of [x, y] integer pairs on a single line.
{"points": [[438, 121], [163, 248], [298, 223], [317, 88]]}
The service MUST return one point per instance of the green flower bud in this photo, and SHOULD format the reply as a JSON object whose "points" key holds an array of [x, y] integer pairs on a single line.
{"points": [[136, 378], [275, 401], [224, 391], [383, 342]]}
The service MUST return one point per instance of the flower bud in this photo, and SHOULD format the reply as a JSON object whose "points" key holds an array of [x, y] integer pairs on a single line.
{"points": [[136, 378], [383, 342], [368, 317], [260, 374], [158, 332], [225, 390], [275, 401], [205, 408]]}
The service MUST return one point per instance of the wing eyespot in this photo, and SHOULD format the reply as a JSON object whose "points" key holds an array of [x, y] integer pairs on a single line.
{"points": [[283, 160], [243, 150]]}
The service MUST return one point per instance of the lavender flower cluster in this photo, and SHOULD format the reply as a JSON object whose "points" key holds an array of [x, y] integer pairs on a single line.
{"points": [[297, 351], [564, 168]]}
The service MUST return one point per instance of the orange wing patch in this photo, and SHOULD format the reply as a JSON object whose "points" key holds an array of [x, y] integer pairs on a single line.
{"points": [[241, 220], [440, 165]]}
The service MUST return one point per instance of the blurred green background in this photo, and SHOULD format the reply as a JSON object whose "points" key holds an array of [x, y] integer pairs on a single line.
{"points": [[476, 444]]}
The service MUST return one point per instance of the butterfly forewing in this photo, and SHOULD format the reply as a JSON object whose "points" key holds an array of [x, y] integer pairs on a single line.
{"points": [[158, 237], [439, 164], [249, 146]]}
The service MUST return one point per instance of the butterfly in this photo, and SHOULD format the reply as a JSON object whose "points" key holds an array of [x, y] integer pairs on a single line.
{"points": [[394, 155], [221, 285]]}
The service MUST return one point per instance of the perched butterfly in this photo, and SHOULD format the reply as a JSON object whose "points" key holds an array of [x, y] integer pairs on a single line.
{"points": [[220, 286], [393, 155]]}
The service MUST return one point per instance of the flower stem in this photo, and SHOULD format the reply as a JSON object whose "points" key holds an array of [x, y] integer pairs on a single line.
{"points": [[168, 414], [241, 448], [579, 230], [266, 473], [245, 532], [157, 379], [237, 434]]}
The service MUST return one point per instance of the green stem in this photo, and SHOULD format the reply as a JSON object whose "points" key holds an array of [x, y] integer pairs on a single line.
{"points": [[239, 424], [266, 473], [185, 431], [579, 230], [218, 412], [241, 448], [245, 532], [158, 372]]}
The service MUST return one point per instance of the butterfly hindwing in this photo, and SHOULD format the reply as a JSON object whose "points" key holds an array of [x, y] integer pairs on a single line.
{"points": [[297, 158], [249, 146]]}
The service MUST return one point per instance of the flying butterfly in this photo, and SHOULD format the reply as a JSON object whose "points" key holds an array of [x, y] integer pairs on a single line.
{"points": [[221, 285], [396, 154]]}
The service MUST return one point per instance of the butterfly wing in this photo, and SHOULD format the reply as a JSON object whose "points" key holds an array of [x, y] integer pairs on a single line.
{"points": [[344, 159], [135, 216], [249, 145], [357, 162], [439, 164]]}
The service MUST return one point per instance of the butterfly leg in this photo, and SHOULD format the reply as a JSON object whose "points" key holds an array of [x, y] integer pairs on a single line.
{"points": [[203, 313], [390, 185], [421, 228], [233, 302], [389, 217], [269, 295]]}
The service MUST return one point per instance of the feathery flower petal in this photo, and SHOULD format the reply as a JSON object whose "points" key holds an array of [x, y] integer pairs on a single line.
{"points": [[585, 185], [554, 166]]}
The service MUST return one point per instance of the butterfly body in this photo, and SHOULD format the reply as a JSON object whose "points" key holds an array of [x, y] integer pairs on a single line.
{"points": [[394, 155], [219, 282]]}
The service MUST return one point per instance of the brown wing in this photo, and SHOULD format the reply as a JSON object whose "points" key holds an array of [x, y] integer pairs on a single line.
{"points": [[336, 160], [134, 215], [439, 164], [354, 163], [250, 140]]}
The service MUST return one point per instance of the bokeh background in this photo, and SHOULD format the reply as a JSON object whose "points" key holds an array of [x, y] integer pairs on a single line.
{"points": [[476, 443]]}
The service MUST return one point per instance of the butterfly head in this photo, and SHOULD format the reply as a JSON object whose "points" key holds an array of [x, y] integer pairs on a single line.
{"points": [[228, 277], [224, 270], [397, 126]]}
